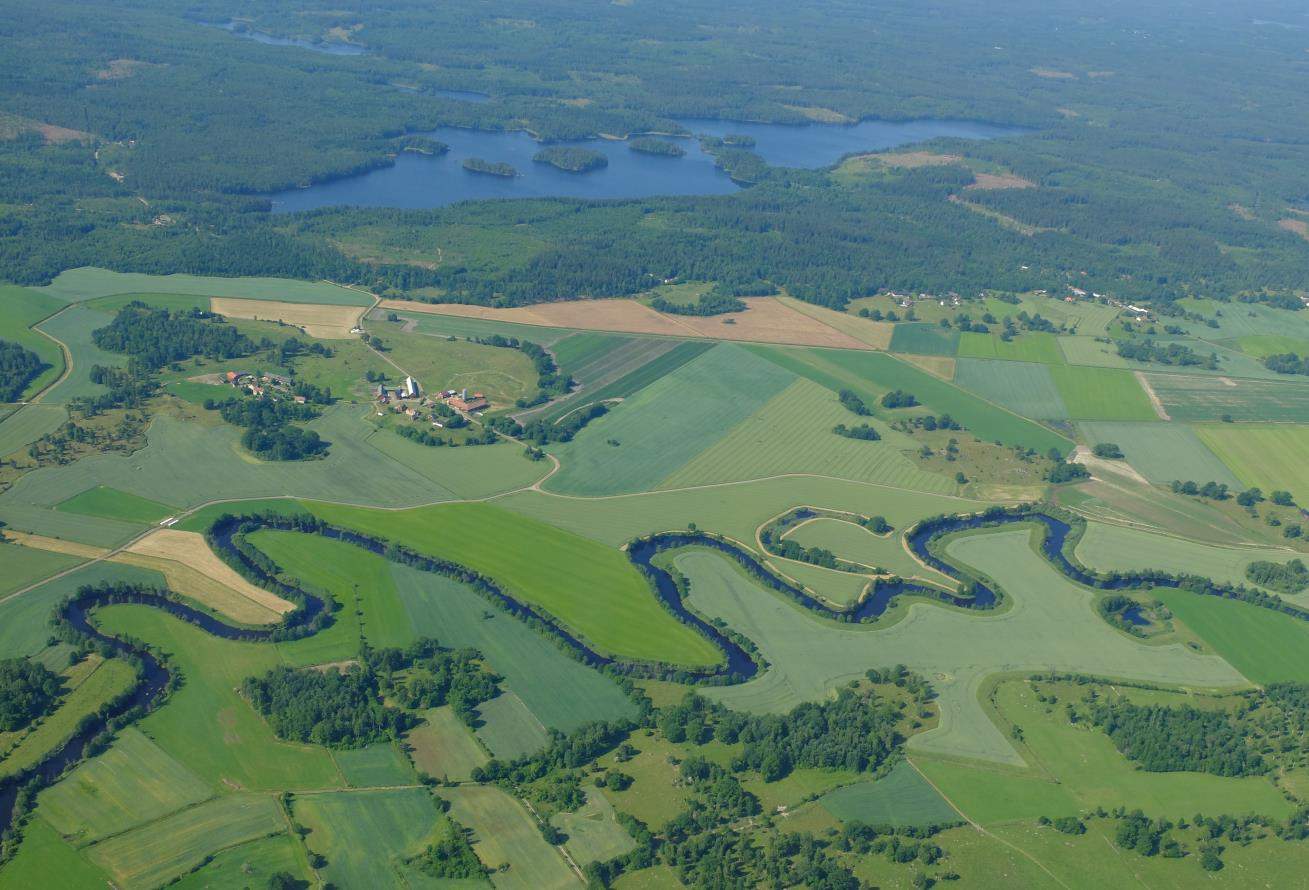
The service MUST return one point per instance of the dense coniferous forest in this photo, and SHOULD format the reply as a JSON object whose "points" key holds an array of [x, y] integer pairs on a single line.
{"points": [[17, 368], [326, 707], [157, 337]]}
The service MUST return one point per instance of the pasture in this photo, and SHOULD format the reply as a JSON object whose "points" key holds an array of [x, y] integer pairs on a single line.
{"points": [[443, 747], [901, 797], [86, 283], [562, 693], [1105, 546], [791, 433], [1072, 768], [1270, 457], [503, 374], [114, 504], [1262, 346], [1091, 351], [20, 309], [509, 729], [1265, 646], [924, 339], [503, 833], [1036, 346], [73, 328], [590, 588], [45, 860], [97, 685], [368, 836], [1025, 388], [324, 321], [207, 724], [1050, 625], [379, 764], [1195, 398], [132, 783], [29, 423], [631, 381], [872, 374], [249, 864], [26, 565], [1162, 452], [1102, 394], [153, 854], [655, 432], [593, 833]]}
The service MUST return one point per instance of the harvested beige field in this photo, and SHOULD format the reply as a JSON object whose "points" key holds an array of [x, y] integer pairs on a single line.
{"points": [[192, 569], [56, 134], [1053, 74], [937, 365], [55, 545], [317, 320], [910, 160], [876, 334], [767, 320], [992, 181], [1298, 226]]}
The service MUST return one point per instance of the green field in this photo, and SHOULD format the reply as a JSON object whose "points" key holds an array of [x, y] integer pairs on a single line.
{"points": [[25, 620], [791, 433], [153, 854], [503, 832], [872, 373], [173, 302], [20, 309], [207, 725], [1194, 398], [29, 423], [443, 747], [45, 860], [1023, 387], [1242, 320], [901, 797], [132, 783], [505, 375], [834, 586], [592, 589], [367, 836], [561, 692], [112, 678], [593, 833], [587, 348], [924, 339], [251, 864], [1262, 346], [509, 729], [73, 328], [846, 539], [377, 765], [1051, 625], [1091, 351], [1270, 457], [1037, 346], [1074, 768], [87, 283], [27, 565], [114, 504], [667, 424], [1162, 452], [1105, 546], [1102, 394], [1265, 646], [633, 381]]}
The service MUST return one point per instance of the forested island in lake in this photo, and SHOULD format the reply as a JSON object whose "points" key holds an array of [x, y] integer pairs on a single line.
{"points": [[651, 146], [490, 168], [571, 160]]}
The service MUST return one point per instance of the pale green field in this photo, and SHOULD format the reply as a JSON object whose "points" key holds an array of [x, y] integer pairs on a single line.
{"points": [[1050, 624], [1105, 546], [857, 544], [1102, 394], [503, 832], [380, 764], [73, 327], [791, 433], [592, 589], [503, 374], [132, 783], [734, 509], [26, 565], [89, 282], [153, 854], [25, 619], [838, 587], [207, 725], [1024, 387], [20, 309], [667, 424], [1244, 319], [509, 729], [1162, 452], [367, 836], [1262, 346], [45, 860], [443, 747], [901, 797], [1037, 346], [1084, 350], [29, 423], [1270, 457], [251, 864], [593, 833], [1075, 768], [563, 693]]}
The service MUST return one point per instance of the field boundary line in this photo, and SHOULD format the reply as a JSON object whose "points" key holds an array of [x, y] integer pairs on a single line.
{"points": [[1152, 396], [63, 347], [978, 826]]}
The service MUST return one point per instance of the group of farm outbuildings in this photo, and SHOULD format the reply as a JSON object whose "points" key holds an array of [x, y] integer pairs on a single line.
{"points": [[461, 401]]}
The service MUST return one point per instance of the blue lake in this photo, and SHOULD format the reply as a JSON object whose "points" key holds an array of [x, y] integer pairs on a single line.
{"points": [[421, 181]]}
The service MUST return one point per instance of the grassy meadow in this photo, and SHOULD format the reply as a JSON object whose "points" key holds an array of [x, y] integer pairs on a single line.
{"points": [[21, 309], [113, 504], [87, 283], [1025, 388], [1269, 457], [901, 797], [503, 833]]}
